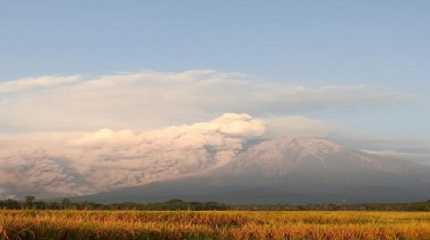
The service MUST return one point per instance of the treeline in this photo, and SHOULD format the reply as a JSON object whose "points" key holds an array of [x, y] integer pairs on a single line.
{"points": [[31, 202], [174, 204], [416, 206]]}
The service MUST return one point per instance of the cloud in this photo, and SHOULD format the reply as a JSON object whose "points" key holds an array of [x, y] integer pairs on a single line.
{"points": [[29, 84], [73, 163], [148, 100], [78, 163]]}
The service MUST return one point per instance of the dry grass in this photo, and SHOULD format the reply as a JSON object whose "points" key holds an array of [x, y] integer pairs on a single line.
{"points": [[25, 225]]}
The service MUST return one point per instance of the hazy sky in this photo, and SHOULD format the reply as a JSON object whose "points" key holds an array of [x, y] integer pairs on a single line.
{"points": [[361, 66]]}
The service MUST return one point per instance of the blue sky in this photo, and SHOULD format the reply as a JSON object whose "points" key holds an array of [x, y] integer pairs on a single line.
{"points": [[379, 44]]}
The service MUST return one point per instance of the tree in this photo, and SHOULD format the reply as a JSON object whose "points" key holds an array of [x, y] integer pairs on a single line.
{"points": [[66, 203], [29, 200]]}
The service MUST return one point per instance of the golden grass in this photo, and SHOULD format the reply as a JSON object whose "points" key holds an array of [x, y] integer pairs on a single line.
{"points": [[239, 225]]}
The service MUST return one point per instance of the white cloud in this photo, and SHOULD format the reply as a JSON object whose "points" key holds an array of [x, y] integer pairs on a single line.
{"points": [[28, 84], [85, 162], [79, 163], [148, 100], [104, 132]]}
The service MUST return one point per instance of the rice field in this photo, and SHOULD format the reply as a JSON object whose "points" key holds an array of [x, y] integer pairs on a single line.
{"points": [[309, 225]]}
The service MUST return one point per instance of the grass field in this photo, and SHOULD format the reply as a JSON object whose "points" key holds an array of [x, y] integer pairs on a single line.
{"points": [[23, 224]]}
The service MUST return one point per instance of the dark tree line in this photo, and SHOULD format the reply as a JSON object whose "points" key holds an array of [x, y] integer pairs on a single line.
{"points": [[415, 206], [31, 202]]}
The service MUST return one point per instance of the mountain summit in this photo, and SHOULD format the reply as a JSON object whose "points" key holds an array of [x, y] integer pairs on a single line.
{"points": [[233, 158], [295, 170]]}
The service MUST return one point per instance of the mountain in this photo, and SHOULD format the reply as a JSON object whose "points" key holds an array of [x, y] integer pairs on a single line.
{"points": [[72, 164], [41, 175], [232, 158], [293, 170]]}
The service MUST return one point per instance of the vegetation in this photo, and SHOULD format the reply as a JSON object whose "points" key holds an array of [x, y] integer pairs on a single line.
{"points": [[176, 204], [67, 204], [32, 219], [172, 225]]}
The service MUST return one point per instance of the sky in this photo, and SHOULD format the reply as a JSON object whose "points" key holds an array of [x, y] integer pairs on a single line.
{"points": [[342, 68]]}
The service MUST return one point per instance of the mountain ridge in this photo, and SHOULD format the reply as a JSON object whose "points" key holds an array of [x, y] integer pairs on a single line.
{"points": [[302, 170]]}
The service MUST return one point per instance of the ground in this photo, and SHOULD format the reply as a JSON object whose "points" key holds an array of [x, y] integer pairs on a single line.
{"points": [[327, 225]]}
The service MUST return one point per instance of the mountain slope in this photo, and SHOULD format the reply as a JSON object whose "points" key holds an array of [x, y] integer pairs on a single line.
{"points": [[68, 164], [292, 170]]}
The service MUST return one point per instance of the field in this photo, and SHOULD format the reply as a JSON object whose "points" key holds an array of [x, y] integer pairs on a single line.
{"points": [[48, 224]]}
